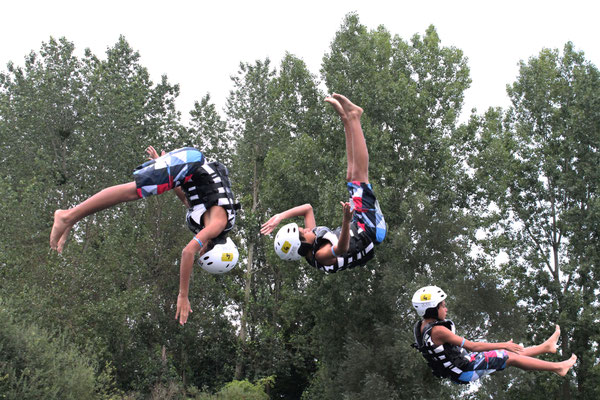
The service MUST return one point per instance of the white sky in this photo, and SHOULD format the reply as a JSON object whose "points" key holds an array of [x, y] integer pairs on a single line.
{"points": [[199, 44]]}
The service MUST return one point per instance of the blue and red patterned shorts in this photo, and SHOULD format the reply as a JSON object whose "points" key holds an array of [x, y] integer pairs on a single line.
{"points": [[482, 364], [168, 171], [367, 213]]}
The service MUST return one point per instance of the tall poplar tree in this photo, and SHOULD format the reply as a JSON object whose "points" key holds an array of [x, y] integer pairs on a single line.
{"points": [[271, 113], [248, 108], [412, 94], [538, 165]]}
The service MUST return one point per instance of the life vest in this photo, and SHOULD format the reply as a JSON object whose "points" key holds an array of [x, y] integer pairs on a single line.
{"points": [[361, 249], [446, 361], [209, 186]]}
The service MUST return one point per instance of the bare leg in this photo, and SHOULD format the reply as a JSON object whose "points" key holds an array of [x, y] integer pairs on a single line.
{"points": [[349, 145], [549, 346], [529, 363], [359, 165], [65, 219], [215, 221]]}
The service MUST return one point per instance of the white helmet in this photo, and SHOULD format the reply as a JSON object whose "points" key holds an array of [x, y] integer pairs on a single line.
{"points": [[427, 297], [287, 242], [221, 258]]}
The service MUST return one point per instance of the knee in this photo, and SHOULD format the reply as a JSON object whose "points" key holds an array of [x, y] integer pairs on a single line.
{"points": [[512, 357]]}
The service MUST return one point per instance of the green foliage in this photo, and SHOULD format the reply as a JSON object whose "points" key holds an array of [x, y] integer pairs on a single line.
{"points": [[520, 182], [38, 365], [536, 163], [245, 390], [411, 95], [209, 129], [242, 390], [69, 128]]}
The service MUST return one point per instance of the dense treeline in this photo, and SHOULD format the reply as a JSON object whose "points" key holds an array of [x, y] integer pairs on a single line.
{"points": [[503, 212]]}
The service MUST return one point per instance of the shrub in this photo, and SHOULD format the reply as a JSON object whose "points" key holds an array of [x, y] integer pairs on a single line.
{"points": [[37, 365]]}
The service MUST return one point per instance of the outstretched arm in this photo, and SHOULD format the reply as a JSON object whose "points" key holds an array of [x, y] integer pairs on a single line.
{"points": [[215, 220], [185, 271], [304, 210], [441, 335], [153, 155]]}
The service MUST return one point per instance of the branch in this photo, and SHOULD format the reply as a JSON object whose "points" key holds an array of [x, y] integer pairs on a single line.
{"points": [[540, 249]]}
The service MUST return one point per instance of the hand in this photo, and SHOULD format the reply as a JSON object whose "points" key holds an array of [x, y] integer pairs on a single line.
{"points": [[183, 309], [153, 154], [271, 224], [514, 347], [347, 211]]}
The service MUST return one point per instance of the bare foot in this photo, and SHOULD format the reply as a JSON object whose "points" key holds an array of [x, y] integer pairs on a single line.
{"points": [[336, 105], [351, 109], [566, 365], [550, 344], [58, 229]]}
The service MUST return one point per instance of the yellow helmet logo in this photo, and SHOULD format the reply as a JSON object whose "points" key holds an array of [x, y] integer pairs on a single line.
{"points": [[286, 247], [227, 257], [426, 297]]}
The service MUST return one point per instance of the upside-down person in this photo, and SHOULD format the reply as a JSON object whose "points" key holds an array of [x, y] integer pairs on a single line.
{"points": [[202, 186], [363, 225]]}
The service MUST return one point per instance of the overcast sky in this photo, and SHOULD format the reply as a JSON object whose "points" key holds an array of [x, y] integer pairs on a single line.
{"points": [[199, 44]]}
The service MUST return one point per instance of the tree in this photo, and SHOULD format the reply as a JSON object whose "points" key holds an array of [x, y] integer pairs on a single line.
{"points": [[38, 364], [270, 112], [69, 128], [248, 108], [411, 94], [537, 166]]}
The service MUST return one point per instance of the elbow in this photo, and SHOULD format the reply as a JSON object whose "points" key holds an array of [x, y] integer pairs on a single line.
{"points": [[187, 253]]}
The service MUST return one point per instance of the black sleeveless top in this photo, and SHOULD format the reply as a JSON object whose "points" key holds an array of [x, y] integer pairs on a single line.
{"points": [[360, 250]]}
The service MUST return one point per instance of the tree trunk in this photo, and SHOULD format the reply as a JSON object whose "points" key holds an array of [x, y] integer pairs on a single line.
{"points": [[184, 366], [239, 367]]}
